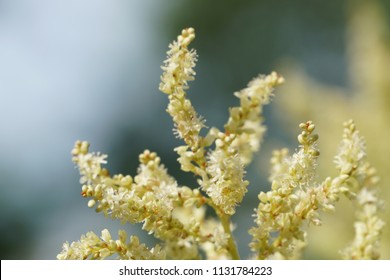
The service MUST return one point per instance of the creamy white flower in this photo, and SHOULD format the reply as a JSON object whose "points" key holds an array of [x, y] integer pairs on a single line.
{"points": [[91, 246]]}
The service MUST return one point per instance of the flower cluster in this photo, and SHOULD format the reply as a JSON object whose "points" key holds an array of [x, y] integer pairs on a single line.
{"points": [[368, 227], [234, 147], [91, 246], [176, 215], [221, 170], [246, 120], [296, 198], [150, 198], [290, 201]]}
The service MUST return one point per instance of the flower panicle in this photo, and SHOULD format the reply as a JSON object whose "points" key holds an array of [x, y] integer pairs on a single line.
{"points": [[290, 201], [225, 165], [245, 121], [295, 197], [177, 214], [90, 246], [368, 227], [362, 186], [148, 198], [221, 170], [225, 183], [178, 67], [89, 164], [178, 71], [352, 150]]}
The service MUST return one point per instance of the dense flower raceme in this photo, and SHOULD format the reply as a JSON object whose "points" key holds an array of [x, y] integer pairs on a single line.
{"points": [[176, 215], [368, 227], [91, 246], [152, 198], [222, 170], [296, 198]]}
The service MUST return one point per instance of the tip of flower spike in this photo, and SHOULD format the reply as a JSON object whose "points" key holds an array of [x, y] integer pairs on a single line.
{"points": [[275, 78], [350, 125], [186, 37], [80, 147], [307, 139], [150, 158]]}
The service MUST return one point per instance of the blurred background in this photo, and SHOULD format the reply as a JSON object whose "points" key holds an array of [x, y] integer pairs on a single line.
{"points": [[90, 70]]}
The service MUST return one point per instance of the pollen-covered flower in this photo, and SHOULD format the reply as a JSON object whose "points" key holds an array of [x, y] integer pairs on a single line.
{"points": [[90, 246], [352, 149], [291, 200], [295, 197], [226, 185], [246, 120], [178, 70], [149, 198], [178, 67]]}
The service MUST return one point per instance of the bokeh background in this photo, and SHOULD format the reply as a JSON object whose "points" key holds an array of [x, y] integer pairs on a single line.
{"points": [[90, 69]]}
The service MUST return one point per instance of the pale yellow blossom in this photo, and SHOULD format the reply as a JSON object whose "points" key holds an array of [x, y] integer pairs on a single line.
{"points": [[177, 215], [369, 225], [91, 246], [246, 120], [291, 200]]}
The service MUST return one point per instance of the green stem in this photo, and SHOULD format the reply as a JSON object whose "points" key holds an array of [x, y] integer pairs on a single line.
{"points": [[225, 221], [232, 246]]}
